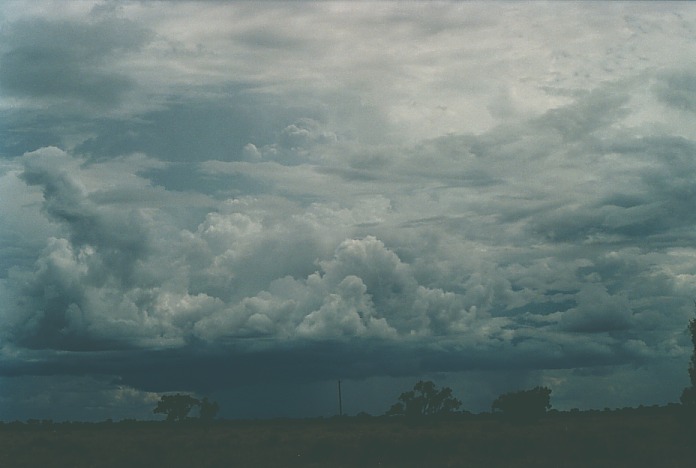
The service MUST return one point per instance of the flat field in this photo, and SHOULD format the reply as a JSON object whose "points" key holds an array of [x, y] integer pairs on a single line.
{"points": [[657, 438]]}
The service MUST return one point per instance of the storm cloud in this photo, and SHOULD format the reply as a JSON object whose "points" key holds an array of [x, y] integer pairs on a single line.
{"points": [[222, 198]]}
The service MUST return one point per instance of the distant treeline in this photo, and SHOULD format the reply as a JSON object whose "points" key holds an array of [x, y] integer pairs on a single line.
{"points": [[671, 409]]}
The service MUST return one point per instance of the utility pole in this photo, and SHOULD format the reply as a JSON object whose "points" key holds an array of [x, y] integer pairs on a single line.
{"points": [[340, 400]]}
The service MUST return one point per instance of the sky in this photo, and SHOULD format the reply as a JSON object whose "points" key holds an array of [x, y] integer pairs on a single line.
{"points": [[252, 200]]}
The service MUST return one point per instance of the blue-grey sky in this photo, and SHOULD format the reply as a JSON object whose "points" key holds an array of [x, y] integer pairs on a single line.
{"points": [[250, 201]]}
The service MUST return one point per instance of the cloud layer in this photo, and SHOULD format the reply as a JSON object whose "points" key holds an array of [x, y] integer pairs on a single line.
{"points": [[223, 198]]}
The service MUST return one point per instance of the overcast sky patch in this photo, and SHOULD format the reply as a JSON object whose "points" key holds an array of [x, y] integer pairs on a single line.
{"points": [[222, 198]]}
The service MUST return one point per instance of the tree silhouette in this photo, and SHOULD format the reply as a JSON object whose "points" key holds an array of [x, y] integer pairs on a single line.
{"points": [[688, 396], [176, 407], [425, 400], [523, 405], [208, 409]]}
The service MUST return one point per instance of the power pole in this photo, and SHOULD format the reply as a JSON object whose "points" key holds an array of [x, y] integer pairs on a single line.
{"points": [[340, 400]]}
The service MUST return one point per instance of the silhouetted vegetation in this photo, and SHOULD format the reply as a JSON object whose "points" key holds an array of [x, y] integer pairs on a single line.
{"points": [[177, 407], [425, 400], [523, 405], [688, 396], [208, 409]]}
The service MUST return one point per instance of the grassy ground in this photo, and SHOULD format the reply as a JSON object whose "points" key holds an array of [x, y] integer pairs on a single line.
{"points": [[651, 439]]}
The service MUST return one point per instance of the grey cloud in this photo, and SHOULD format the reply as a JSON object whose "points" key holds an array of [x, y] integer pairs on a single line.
{"points": [[259, 214], [237, 364], [61, 397], [305, 140], [190, 131], [67, 202], [23, 132], [103, 247], [68, 60], [364, 291], [305, 132], [618, 386], [597, 311], [513, 165], [262, 38], [24, 228], [589, 113], [350, 175], [677, 89], [650, 198]]}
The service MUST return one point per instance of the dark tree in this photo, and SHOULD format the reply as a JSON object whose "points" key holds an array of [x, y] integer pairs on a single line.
{"points": [[208, 409], [176, 407], [688, 396], [425, 400], [523, 405]]}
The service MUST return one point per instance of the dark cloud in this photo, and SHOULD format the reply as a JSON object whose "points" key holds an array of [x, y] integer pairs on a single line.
{"points": [[208, 368]]}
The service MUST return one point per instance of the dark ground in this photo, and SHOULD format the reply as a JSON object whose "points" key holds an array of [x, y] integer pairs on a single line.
{"points": [[651, 437]]}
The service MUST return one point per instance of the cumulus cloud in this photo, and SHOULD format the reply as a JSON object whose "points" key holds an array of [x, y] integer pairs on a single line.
{"points": [[363, 291]]}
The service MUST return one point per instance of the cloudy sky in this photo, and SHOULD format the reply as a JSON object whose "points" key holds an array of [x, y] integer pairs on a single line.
{"points": [[250, 201]]}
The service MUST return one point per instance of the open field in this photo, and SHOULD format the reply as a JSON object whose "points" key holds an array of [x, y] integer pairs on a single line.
{"points": [[651, 438]]}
